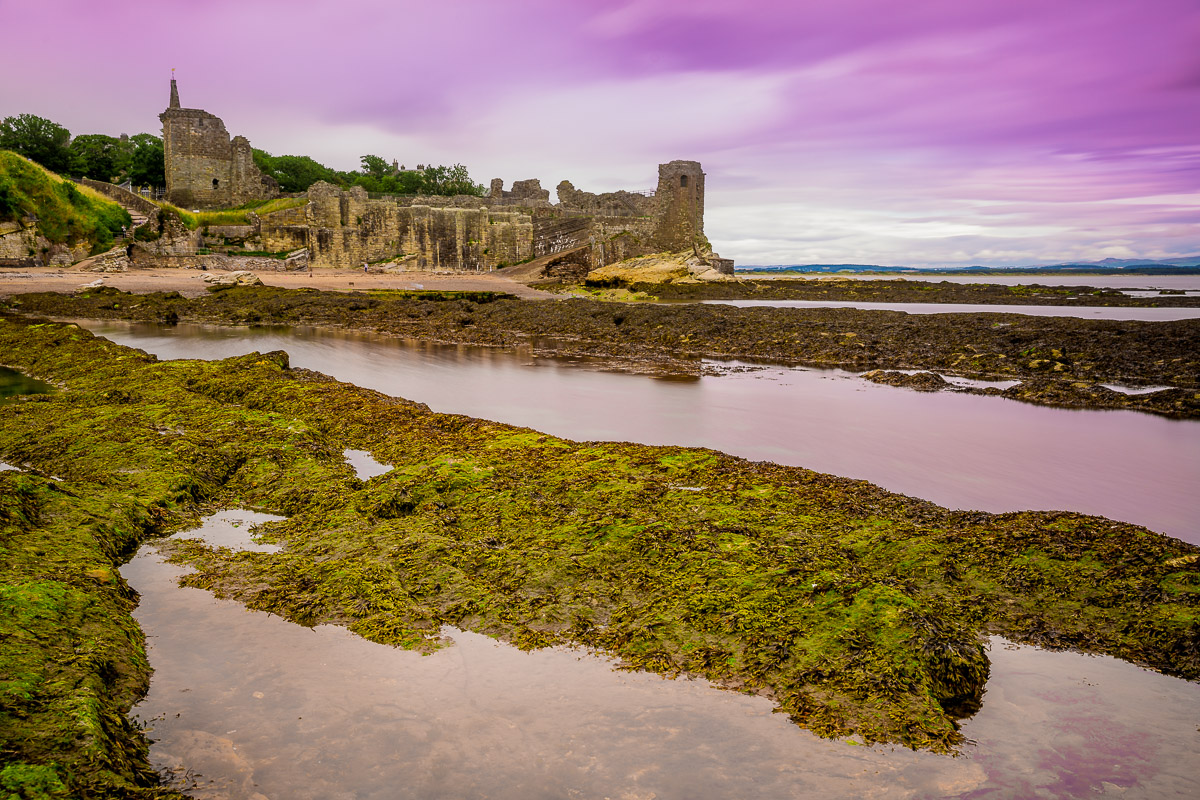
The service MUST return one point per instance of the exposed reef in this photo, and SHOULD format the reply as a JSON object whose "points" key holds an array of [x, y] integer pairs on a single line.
{"points": [[856, 610], [1060, 361]]}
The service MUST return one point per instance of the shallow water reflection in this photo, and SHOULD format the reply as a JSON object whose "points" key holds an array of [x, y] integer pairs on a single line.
{"points": [[14, 383], [960, 451], [364, 465], [263, 708]]}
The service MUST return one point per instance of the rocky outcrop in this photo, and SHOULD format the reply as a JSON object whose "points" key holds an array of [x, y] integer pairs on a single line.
{"points": [[687, 267], [114, 260], [921, 381], [22, 246], [239, 278]]}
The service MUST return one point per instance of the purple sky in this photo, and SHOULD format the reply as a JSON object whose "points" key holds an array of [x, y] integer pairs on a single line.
{"points": [[925, 132]]}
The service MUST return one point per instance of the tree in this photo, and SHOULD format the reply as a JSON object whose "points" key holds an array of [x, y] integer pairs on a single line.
{"points": [[295, 173], [375, 166], [94, 155], [449, 181], [147, 162], [37, 139]]}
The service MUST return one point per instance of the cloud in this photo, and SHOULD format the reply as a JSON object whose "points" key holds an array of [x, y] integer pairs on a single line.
{"points": [[989, 131]]}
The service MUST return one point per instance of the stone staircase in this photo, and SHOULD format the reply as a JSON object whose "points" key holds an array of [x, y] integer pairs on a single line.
{"points": [[139, 208]]}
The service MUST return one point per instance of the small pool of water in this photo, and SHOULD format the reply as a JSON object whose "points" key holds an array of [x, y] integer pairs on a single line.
{"points": [[251, 706], [14, 383], [1083, 312], [364, 464], [233, 529], [1116, 387]]}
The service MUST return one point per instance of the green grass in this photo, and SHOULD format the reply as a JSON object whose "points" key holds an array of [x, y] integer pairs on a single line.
{"points": [[233, 216], [66, 212]]}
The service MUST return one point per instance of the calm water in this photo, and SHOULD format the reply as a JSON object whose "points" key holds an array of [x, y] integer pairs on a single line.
{"points": [[259, 707], [13, 384], [1186, 282], [960, 451], [1083, 312]]}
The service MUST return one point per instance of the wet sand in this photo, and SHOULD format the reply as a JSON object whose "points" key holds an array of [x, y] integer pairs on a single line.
{"points": [[189, 283]]}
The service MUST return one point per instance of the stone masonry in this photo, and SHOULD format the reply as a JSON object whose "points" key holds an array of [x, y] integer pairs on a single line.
{"points": [[205, 168], [345, 228]]}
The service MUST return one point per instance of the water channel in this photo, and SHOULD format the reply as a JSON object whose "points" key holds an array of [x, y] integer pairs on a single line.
{"points": [[960, 451], [1082, 312]]}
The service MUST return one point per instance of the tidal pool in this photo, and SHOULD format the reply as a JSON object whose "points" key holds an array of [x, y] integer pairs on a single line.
{"points": [[246, 705], [365, 466], [13, 384], [960, 451], [1083, 312]]}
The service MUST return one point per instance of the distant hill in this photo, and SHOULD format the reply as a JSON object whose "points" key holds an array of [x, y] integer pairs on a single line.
{"points": [[1185, 265]]}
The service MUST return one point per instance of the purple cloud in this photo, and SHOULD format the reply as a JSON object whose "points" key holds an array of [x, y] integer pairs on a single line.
{"points": [[936, 131]]}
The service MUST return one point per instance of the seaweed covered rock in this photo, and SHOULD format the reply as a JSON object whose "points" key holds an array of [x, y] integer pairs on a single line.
{"points": [[856, 610], [921, 381], [1057, 353]]}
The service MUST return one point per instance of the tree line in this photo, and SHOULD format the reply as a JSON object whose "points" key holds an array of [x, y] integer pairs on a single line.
{"points": [[140, 160], [297, 173]]}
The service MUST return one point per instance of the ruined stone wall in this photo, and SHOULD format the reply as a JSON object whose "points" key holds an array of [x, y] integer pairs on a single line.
{"points": [[284, 230], [618, 238], [608, 204], [679, 206], [346, 229], [204, 168], [555, 234], [123, 196]]}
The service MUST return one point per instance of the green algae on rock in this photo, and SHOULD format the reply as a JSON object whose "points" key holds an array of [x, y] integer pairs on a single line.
{"points": [[856, 610], [1061, 361]]}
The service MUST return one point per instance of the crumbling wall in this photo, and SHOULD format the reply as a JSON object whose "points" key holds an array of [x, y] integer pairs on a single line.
{"points": [[346, 230], [613, 204], [204, 168], [527, 194], [679, 206], [284, 230]]}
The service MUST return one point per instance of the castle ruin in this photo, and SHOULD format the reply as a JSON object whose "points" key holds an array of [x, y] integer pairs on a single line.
{"points": [[347, 228], [205, 168]]}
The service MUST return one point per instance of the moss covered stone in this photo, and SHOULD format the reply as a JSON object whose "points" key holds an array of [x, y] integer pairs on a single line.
{"points": [[857, 610]]}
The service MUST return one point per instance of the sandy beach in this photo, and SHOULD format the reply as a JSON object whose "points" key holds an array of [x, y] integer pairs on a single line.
{"points": [[189, 282]]}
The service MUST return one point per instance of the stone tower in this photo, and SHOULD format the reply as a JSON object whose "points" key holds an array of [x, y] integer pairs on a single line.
{"points": [[679, 201], [205, 169]]}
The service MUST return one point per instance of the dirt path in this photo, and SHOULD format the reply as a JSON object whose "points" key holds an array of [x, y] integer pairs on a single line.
{"points": [[189, 283]]}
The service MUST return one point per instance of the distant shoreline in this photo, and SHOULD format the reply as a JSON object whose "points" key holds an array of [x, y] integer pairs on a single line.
{"points": [[817, 269]]}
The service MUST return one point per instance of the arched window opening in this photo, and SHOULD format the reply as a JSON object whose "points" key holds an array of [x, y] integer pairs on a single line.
{"points": [[683, 180]]}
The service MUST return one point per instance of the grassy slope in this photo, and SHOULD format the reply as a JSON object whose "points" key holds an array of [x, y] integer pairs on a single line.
{"points": [[234, 216], [857, 610], [66, 213]]}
